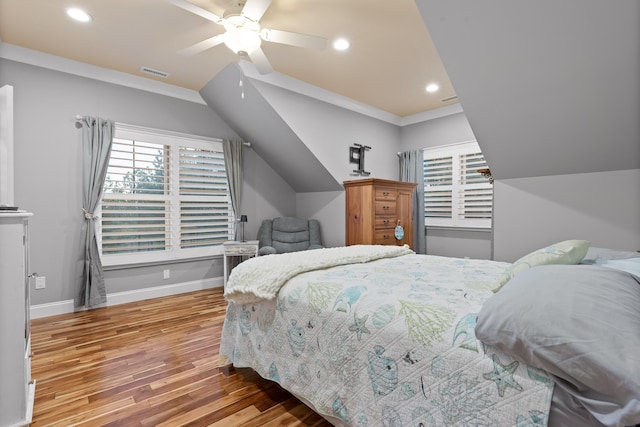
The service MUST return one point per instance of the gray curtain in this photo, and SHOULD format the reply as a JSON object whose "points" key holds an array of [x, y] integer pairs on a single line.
{"points": [[97, 137], [411, 171], [233, 161]]}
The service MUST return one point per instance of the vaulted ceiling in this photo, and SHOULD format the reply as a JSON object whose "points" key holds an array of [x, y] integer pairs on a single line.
{"points": [[390, 62], [548, 87]]}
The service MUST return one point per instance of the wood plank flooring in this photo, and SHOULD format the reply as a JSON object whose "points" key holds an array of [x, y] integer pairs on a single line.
{"points": [[151, 363]]}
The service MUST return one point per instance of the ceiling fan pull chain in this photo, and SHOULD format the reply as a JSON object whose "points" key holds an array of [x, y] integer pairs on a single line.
{"points": [[241, 85]]}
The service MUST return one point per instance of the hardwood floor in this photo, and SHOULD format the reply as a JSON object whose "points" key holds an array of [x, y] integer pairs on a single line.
{"points": [[151, 363]]}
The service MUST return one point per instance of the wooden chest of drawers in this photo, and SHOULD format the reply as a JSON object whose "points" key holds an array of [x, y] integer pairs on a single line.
{"points": [[373, 209]]}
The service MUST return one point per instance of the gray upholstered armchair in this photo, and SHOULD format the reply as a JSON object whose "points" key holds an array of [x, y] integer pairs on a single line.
{"points": [[287, 234]]}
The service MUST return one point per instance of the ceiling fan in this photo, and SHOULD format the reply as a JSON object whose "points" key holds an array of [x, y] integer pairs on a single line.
{"points": [[244, 35]]}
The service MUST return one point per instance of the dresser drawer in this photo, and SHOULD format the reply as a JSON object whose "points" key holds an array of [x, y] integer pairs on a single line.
{"points": [[385, 207], [387, 222], [385, 237], [384, 193]]}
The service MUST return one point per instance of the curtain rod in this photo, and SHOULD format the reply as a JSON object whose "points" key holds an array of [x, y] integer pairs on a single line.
{"points": [[79, 125]]}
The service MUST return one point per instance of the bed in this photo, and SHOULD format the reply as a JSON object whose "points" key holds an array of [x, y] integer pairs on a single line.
{"points": [[379, 335]]}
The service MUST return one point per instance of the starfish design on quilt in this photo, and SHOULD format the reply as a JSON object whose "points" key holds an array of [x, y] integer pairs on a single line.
{"points": [[358, 326], [502, 375]]}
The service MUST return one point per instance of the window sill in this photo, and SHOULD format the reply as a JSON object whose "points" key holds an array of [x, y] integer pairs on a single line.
{"points": [[141, 264], [451, 228]]}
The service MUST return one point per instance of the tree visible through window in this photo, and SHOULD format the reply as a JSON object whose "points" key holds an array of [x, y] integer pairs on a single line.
{"points": [[455, 194], [165, 196]]}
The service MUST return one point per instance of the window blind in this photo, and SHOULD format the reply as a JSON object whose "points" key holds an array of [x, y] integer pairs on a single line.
{"points": [[135, 203], [165, 196], [205, 215], [455, 194]]}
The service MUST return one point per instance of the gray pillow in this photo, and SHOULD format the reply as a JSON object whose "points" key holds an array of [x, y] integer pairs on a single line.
{"points": [[595, 254], [580, 323]]}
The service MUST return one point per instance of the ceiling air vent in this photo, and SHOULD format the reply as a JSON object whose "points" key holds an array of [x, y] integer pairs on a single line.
{"points": [[451, 98], [153, 72]]}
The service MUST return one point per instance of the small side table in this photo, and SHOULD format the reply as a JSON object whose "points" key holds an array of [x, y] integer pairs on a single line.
{"points": [[238, 249]]}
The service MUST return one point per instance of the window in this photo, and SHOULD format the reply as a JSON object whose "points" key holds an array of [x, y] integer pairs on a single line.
{"points": [[165, 197], [455, 194]]}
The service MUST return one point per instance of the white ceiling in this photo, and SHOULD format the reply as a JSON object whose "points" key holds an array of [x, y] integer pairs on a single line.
{"points": [[389, 64]]}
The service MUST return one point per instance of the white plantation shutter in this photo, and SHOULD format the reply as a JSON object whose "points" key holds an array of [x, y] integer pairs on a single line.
{"points": [[455, 194], [135, 208], [476, 191], [165, 197], [438, 187], [205, 211], [130, 225]]}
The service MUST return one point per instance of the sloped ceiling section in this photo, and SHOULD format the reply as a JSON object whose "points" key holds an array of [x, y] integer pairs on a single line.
{"points": [[255, 120], [549, 87]]}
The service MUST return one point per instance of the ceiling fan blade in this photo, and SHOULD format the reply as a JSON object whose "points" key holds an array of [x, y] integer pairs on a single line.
{"points": [[254, 9], [261, 62], [202, 46], [183, 4], [293, 39]]}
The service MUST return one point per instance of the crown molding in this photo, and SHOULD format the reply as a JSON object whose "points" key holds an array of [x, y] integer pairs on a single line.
{"points": [[57, 63], [298, 86], [431, 114]]}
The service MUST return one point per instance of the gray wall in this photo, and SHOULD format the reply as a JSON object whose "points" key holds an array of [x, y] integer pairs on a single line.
{"points": [[551, 91], [442, 131], [329, 208], [529, 212], [48, 171], [265, 194], [306, 140], [549, 87], [602, 207], [328, 131]]}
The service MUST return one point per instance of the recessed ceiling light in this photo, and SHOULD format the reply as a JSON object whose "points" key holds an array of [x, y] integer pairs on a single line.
{"points": [[341, 44], [78, 14], [432, 88]]}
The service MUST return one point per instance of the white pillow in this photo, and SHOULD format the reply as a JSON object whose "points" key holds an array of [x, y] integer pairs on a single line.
{"points": [[568, 252]]}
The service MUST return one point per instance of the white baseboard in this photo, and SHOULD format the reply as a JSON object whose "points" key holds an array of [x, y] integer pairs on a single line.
{"points": [[52, 308], [67, 306]]}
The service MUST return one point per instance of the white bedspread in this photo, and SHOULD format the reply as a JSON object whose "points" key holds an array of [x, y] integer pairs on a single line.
{"points": [[262, 277]]}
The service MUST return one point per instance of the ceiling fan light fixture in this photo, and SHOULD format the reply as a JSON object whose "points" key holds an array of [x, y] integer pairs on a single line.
{"points": [[242, 41], [242, 35]]}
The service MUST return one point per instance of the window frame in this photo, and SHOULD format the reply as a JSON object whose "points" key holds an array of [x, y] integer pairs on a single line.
{"points": [[456, 219], [174, 140]]}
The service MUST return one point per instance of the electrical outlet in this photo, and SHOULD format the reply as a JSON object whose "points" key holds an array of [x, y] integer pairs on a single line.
{"points": [[167, 274], [41, 282]]}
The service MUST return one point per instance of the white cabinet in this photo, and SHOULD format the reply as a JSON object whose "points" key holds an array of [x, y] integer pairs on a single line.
{"points": [[16, 387]]}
